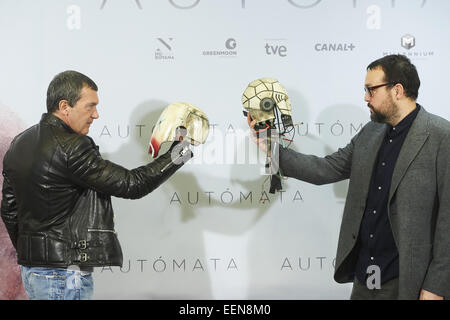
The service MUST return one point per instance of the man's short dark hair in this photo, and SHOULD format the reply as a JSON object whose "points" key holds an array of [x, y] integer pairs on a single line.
{"points": [[399, 69], [67, 85]]}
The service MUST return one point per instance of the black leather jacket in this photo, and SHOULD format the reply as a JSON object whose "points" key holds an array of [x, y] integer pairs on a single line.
{"points": [[57, 192]]}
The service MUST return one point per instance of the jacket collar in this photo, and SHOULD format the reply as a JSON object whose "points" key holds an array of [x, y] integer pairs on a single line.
{"points": [[51, 119]]}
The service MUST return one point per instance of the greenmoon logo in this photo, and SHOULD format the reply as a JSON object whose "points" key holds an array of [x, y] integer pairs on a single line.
{"points": [[230, 44]]}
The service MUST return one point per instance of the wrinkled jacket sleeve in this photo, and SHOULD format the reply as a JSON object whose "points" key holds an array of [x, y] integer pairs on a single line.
{"points": [[317, 170], [88, 169], [437, 279], [9, 210]]}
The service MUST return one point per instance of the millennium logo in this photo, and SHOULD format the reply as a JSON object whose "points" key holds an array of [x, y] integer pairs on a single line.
{"points": [[408, 41]]}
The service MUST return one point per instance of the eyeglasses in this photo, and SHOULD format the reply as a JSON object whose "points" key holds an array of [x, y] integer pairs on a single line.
{"points": [[369, 90]]}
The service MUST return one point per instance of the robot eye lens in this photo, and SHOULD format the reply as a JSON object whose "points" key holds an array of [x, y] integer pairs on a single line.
{"points": [[267, 104]]}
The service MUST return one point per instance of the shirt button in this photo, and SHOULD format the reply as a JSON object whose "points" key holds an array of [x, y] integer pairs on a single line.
{"points": [[390, 140], [383, 163], [371, 236], [374, 211], [371, 258], [379, 188]]}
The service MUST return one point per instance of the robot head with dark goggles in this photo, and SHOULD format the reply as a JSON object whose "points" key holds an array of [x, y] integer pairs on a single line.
{"points": [[268, 103]]}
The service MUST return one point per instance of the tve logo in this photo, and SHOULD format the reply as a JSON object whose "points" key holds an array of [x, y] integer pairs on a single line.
{"points": [[276, 47]]}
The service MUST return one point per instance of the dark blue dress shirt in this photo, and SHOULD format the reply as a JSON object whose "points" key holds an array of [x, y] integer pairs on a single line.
{"points": [[375, 241]]}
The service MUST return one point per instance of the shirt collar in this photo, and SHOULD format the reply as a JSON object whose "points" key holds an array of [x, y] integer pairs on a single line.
{"points": [[405, 123]]}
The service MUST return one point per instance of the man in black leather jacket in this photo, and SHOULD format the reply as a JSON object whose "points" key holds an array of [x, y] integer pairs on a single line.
{"points": [[57, 192]]}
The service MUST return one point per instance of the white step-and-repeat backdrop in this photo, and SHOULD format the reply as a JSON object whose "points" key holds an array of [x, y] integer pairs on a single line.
{"points": [[213, 231]]}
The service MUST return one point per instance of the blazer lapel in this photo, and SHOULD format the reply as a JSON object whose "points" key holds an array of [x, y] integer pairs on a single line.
{"points": [[414, 141]]}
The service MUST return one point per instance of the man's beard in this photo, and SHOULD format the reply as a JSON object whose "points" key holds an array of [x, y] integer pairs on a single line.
{"points": [[377, 116]]}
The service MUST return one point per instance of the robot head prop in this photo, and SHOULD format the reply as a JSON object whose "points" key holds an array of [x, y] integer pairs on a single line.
{"points": [[263, 99], [179, 119]]}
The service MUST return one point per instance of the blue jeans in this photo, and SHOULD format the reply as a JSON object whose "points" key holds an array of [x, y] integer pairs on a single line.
{"points": [[57, 284]]}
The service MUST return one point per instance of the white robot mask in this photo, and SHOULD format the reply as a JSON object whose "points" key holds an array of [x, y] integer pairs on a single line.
{"points": [[179, 119], [261, 99]]}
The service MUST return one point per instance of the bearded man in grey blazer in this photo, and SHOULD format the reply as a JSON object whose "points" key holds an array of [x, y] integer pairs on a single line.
{"points": [[396, 219]]}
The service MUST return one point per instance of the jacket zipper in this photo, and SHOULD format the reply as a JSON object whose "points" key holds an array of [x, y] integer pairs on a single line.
{"points": [[100, 230]]}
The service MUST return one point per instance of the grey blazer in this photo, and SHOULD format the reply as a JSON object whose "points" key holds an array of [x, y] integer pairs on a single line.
{"points": [[418, 205]]}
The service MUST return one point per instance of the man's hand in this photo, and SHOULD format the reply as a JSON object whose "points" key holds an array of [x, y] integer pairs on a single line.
{"points": [[427, 295], [260, 142]]}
